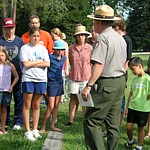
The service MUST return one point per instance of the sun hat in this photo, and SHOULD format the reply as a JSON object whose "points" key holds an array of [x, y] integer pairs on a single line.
{"points": [[104, 12], [8, 22], [80, 29], [59, 45]]}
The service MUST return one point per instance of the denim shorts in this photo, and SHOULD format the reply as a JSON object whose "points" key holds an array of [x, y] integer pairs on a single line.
{"points": [[5, 98], [55, 89], [34, 87]]}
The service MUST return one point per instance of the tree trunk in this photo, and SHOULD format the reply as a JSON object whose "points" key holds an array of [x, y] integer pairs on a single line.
{"points": [[4, 9], [14, 3]]}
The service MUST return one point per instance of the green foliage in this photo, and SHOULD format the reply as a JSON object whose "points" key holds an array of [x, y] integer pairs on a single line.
{"points": [[75, 11], [27, 8], [139, 23], [65, 14]]}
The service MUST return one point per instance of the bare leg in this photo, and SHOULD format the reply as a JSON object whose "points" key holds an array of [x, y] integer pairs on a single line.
{"points": [[51, 102], [36, 110], [73, 107], [121, 117], [55, 113], [141, 134], [26, 110], [3, 117], [129, 128]]}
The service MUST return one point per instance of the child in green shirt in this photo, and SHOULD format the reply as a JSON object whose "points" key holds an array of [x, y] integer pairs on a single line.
{"points": [[138, 105]]}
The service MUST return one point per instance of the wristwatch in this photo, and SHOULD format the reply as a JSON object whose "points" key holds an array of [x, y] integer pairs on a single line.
{"points": [[89, 85]]}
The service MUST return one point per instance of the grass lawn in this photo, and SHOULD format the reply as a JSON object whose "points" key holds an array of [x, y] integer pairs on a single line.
{"points": [[73, 136]]}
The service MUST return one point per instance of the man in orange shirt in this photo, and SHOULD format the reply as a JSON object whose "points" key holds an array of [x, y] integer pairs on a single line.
{"points": [[45, 37]]}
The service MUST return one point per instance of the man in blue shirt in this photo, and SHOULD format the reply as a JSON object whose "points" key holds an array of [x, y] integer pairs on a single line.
{"points": [[12, 44]]}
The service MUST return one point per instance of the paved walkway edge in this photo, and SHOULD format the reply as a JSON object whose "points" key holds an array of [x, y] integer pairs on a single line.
{"points": [[53, 141]]}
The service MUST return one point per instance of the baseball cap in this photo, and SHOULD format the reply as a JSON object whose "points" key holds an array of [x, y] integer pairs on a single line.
{"points": [[8, 22], [59, 45]]}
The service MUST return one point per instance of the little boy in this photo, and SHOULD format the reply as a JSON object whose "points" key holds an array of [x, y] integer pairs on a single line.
{"points": [[138, 105]]}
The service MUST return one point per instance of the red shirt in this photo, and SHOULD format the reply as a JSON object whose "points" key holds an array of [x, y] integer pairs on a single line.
{"points": [[45, 39], [80, 62]]}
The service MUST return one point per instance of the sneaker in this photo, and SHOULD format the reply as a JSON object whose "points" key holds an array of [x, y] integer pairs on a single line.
{"points": [[129, 145], [16, 127], [29, 136], [69, 124], [36, 134]]}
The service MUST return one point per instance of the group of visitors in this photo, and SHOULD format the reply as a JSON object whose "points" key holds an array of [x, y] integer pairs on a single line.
{"points": [[35, 66]]}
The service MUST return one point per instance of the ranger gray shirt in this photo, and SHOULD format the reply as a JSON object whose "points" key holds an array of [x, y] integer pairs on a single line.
{"points": [[110, 50]]}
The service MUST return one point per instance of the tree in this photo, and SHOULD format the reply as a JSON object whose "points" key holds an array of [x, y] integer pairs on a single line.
{"points": [[75, 11], [138, 25], [63, 14]]}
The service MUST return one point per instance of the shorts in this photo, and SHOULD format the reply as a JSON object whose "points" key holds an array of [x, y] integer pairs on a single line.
{"points": [[74, 87], [138, 117], [55, 89], [5, 98], [34, 87], [123, 104]]}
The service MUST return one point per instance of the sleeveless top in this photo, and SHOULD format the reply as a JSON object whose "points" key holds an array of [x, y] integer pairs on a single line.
{"points": [[5, 77]]}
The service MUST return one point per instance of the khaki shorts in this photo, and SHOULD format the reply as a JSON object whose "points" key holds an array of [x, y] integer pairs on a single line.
{"points": [[74, 87]]}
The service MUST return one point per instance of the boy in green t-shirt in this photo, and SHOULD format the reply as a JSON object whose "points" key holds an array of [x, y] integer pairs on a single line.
{"points": [[138, 105]]}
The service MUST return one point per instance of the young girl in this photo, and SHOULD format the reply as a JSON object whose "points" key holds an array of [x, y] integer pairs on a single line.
{"points": [[35, 59], [6, 69], [55, 84], [57, 35]]}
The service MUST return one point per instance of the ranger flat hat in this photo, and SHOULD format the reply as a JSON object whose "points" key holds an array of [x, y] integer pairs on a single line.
{"points": [[104, 12]]}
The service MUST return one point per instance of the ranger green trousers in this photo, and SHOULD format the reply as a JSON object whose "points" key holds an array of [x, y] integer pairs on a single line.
{"points": [[107, 109]]}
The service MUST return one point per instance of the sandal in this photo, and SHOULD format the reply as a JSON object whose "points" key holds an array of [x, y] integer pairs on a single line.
{"points": [[147, 137]]}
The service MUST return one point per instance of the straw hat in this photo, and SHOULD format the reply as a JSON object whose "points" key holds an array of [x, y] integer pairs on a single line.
{"points": [[80, 29], [104, 12]]}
